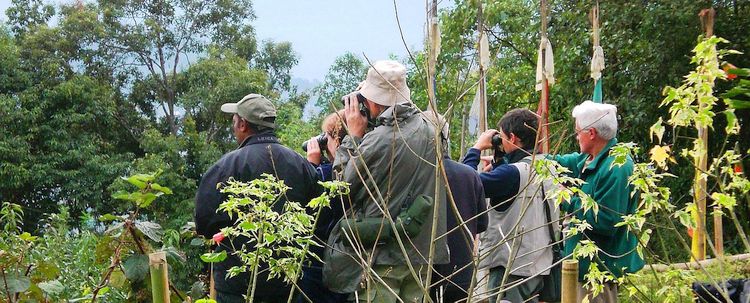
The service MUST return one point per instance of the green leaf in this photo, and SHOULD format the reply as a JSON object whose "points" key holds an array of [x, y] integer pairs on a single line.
{"points": [[738, 104], [214, 257], [150, 229], [16, 284], [108, 218], [139, 180], [136, 267], [196, 242], [269, 238], [657, 130], [205, 301], [174, 255], [27, 237], [733, 126], [196, 290], [51, 288], [160, 188], [146, 199]]}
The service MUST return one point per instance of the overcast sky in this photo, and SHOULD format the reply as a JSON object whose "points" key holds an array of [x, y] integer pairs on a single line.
{"points": [[321, 30]]}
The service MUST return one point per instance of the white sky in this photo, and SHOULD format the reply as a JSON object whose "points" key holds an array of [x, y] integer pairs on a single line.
{"points": [[321, 30]]}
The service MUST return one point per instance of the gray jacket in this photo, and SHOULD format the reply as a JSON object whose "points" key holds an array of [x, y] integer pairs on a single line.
{"points": [[525, 222], [393, 164]]}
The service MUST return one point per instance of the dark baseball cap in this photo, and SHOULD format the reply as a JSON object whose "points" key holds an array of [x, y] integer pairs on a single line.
{"points": [[254, 108]]}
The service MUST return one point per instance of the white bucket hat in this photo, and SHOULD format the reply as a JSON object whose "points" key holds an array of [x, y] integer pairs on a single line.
{"points": [[386, 83]]}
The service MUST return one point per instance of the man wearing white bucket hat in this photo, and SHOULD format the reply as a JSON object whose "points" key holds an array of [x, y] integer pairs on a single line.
{"points": [[391, 170]]}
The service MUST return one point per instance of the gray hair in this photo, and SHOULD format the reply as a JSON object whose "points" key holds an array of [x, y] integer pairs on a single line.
{"points": [[602, 117]]}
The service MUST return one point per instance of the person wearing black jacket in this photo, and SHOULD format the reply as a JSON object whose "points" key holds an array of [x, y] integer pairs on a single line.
{"points": [[259, 153], [454, 279]]}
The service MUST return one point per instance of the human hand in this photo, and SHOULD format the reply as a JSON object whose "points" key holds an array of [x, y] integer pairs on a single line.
{"points": [[485, 139], [313, 151], [355, 121], [487, 161]]}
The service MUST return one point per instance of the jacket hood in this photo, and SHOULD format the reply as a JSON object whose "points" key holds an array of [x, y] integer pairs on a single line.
{"points": [[397, 113]]}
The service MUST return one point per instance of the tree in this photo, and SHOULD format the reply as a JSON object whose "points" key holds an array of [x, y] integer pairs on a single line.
{"points": [[277, 59], [342, 78], [157, 35]]}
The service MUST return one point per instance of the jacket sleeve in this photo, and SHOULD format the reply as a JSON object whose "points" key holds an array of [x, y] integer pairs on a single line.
{"points": [[482, 220], [569, 161], [207, 200], [612, 192], [500, 184]]}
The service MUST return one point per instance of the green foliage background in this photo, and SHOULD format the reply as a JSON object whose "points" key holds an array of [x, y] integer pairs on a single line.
{"points": [[85, 99]]}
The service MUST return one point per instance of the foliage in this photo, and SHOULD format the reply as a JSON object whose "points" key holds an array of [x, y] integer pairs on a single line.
{"points": [[279, 239], [60, 265], [342, 78]]}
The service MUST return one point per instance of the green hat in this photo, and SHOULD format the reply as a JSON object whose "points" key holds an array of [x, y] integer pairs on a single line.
{"points": [[254, 108]]}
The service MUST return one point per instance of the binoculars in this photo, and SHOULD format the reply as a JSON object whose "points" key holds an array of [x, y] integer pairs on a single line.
{"points": [[362, 107], [322, 142], [497, 142]]}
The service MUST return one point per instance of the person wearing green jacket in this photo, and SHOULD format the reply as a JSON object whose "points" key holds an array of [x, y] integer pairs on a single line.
{"points": [[389, 158], [607, 184]]}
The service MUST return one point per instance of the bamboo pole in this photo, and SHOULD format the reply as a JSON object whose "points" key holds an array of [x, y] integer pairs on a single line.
{"points": [[698, 244], [159, 277], [569, 291], [718, 224]]}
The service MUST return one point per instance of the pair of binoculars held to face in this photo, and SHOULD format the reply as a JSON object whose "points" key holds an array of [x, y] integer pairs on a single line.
{"points": [[322, 142]]}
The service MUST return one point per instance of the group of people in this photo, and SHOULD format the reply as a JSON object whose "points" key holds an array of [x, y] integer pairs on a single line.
{"points": [[415, 222]]}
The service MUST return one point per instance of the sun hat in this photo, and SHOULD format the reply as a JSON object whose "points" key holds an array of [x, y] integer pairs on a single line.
{"points": [[385, 83]]}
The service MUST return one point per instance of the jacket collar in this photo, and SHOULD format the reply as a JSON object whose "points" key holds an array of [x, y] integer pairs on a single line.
{"points": [[518, 154], [396, 113], [602, 154], [267, 136]]}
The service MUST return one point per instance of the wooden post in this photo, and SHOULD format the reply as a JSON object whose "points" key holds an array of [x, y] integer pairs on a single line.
{"points": [[159, 278], [569, 285], [718, 224], [698, 244]]}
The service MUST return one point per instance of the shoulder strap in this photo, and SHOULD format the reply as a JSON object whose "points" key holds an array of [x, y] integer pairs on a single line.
{"points": [[547, 213]]}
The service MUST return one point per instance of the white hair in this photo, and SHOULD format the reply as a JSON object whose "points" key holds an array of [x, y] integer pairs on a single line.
{"points": [[602, 117]]}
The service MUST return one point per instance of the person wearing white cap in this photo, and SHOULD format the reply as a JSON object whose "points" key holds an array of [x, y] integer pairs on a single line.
{"points": [[259, 153], [606, 183], [390, 168]]}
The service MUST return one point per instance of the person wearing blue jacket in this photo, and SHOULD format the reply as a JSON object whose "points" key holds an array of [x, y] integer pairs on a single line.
{"points": [[517, 211], [311, 284]]}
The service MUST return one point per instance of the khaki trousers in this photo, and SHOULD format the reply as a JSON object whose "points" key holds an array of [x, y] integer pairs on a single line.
{"points": [[608, 295]]}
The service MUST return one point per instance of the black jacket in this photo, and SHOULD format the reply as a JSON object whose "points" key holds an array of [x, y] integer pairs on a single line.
{"points": [[248, 162], [468, 194]]}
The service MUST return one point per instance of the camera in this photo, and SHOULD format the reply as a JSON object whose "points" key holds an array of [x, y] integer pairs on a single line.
{"points": [[322, 142]]}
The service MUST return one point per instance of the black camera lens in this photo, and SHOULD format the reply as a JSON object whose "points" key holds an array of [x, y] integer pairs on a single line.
{"points": [[322, 142]]}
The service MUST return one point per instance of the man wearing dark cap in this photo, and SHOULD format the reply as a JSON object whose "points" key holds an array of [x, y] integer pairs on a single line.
{"points": [[259, 152]]}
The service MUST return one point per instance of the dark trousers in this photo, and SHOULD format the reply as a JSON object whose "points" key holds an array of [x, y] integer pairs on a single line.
{"points": [[449, 293], [313, 289]]}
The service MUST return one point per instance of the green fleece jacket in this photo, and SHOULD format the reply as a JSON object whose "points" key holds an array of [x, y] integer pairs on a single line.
{"points": [[608, 186]]}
